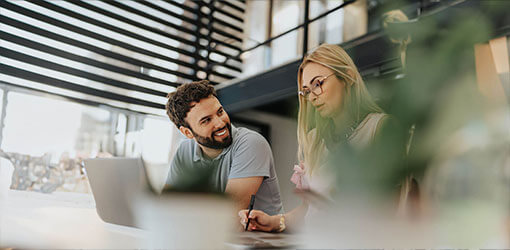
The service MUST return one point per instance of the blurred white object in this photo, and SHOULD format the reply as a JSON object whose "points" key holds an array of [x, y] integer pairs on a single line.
{"points": [[186, 220], [157, 174], [356, 225], [61, 220], [6, 170], [160, 140]]}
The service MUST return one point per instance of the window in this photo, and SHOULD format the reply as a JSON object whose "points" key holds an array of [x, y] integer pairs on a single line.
{"points": [[286, 15], [256, 28], [157, 140], [120, 135], [36, 125]]}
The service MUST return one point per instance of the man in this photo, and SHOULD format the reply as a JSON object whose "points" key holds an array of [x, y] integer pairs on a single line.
{"points": [[240, 160]]}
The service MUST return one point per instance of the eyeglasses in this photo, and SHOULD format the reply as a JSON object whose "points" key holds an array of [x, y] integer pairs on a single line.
{"points": [[315, 87]]}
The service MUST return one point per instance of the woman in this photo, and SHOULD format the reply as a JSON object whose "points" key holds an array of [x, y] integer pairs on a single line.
{"points": [[334, 107]]}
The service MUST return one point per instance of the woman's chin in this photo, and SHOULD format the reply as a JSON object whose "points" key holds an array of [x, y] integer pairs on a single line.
{"points": [[324, 113]]}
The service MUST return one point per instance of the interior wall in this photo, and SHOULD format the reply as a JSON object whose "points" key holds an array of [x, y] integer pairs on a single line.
{"points": [[284, 145]]}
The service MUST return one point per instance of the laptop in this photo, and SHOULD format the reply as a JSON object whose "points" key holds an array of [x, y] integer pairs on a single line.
{"points": [[115, 184]]}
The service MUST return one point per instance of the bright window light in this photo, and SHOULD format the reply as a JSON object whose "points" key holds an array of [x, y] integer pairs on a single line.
{"points": [[81, 81], [74, 94], [36, 125], [156, 139], [85, 67]]}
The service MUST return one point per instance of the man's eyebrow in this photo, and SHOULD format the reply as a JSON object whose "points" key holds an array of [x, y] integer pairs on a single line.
{"points": [[203, 118]]}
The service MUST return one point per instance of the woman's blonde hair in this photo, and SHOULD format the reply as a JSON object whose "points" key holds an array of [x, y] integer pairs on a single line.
{"points": [[312, 128]]}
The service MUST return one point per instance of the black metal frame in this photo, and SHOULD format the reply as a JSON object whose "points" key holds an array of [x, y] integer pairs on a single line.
{"points": [[304, 25], [372, 53]]}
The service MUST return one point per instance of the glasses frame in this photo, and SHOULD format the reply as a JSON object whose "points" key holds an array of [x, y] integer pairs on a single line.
{"points": [[306, 93]]}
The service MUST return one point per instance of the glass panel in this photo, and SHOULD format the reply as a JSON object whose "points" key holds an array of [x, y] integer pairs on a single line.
{"points": [[120, 135], [334, 23], [355, 22], [1, 105], [156, 139], [46, 139], [160, 140], [256, 30], [329, 28], [37, 125], [286, 47], [256, 61]]}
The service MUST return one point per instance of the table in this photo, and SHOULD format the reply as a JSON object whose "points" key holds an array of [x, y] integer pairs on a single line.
{"points": [[60, 220], [70, 221]]}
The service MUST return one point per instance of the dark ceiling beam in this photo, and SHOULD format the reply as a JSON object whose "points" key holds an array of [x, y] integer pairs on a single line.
{"points": [[276, 84]]}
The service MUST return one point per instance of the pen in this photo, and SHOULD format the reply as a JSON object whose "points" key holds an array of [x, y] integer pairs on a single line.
{"points": [[252, 201]]}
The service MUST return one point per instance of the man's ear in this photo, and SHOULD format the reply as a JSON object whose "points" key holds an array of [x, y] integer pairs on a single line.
{"points": [[186, 132]]}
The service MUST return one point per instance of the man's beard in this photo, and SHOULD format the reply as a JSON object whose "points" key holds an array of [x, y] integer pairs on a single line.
{"points": [[210, 142]]}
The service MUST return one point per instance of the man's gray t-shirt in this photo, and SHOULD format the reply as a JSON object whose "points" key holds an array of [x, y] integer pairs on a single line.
{"points": [[249, 155]]}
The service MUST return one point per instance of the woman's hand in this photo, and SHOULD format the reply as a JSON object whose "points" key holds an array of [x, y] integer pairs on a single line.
{"points": [[259, 221]]}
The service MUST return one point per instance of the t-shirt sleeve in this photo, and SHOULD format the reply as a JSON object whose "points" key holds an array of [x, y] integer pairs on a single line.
{"points": [[252, 156], [175, 166]]}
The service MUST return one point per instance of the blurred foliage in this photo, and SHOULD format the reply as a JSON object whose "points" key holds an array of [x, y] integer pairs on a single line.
{"points": [[439, 96]]}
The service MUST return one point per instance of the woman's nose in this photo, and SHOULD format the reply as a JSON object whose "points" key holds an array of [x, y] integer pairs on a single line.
{"points": [[312, 97]]}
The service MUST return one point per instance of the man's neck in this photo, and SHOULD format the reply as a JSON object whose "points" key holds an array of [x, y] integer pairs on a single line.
{"points": [[210, 152]]}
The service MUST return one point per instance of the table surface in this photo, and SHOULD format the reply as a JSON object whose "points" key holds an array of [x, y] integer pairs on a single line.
{"points": [[69, 220], [60, 220]]}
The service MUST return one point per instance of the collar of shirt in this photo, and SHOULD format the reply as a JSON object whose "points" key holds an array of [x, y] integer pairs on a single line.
{"points": [[198, 156]]}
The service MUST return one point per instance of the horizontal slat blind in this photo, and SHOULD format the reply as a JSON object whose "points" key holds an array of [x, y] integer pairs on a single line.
{"points": [[127, 54]]}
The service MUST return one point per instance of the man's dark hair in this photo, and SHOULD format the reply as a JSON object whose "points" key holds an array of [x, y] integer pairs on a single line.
{"points": [[179, 102]]}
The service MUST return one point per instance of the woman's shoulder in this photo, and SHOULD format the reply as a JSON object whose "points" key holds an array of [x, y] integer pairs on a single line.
{"points": [[378, 117], [372, 121], [384, 120], [368, 127]]}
